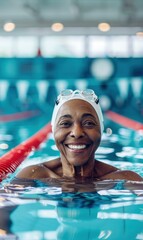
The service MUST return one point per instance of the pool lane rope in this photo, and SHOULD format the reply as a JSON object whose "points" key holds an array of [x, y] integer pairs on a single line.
{"points": [[19, 116], [11, 160], [124, 121]]}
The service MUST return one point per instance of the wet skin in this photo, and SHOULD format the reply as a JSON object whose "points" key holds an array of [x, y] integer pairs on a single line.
{"points": [[77, 136]]}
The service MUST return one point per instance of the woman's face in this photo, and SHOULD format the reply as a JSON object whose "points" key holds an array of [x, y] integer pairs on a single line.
{"points": [[77, 132]]}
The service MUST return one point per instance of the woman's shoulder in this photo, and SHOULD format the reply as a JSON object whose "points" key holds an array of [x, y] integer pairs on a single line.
{"points": [[127, 175], [107, 171], [29, 171], [42, 170], [103, 168]]}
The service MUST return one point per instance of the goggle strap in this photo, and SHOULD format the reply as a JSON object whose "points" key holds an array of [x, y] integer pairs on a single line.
{"points": [[97, 100]]}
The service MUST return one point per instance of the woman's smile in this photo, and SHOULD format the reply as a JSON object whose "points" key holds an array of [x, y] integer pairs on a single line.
{"points": [[76, 147], [77, 154]]}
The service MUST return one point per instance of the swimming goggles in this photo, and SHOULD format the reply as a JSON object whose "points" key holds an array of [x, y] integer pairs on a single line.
{"points": [[68, 94]]}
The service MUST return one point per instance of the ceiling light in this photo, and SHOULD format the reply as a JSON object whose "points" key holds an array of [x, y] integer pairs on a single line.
{"points": [[57, 27], [104, 27], [8, 27], [140, 34]]}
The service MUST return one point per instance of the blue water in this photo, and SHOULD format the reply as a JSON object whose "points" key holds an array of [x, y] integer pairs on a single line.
{"points": [[112, 210], [68, 210]]}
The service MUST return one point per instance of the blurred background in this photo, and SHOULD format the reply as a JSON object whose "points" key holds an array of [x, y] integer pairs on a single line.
{"points": [[49, 45]]}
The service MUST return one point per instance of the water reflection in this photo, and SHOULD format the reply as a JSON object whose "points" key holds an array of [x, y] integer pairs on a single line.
{"points": [[49, 213], [76, 223], [99, 223]]}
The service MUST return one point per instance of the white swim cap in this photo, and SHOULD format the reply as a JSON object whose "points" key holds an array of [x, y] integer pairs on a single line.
{"points": [[86, 95]]}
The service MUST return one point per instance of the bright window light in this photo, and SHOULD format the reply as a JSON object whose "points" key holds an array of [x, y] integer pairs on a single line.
{"points": [[26, 46], [6, 47], [118, 46], [63, 46], [97, 46], [137, 45], [112, 46]]}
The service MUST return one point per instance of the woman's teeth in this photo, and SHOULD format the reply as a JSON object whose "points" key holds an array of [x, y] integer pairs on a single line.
{"points": [[77, 146]]}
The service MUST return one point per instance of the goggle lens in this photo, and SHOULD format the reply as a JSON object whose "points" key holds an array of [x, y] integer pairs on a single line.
{"points": [[87, 94], [66, 92]]}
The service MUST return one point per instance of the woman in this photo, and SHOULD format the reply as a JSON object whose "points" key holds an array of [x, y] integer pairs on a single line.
{"points": [[77, 125]]}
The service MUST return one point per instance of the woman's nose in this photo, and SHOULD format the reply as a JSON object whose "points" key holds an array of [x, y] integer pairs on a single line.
{"points": [[77, 131]]}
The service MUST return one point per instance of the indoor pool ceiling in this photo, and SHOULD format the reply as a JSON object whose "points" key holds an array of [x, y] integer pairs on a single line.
{"points": [[78, 16]]}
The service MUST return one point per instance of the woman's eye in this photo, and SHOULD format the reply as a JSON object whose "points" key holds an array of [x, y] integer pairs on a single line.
{"points": [[89, 123], [65, 124]]}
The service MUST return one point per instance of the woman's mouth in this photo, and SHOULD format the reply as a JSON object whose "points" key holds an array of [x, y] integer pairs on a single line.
{"points": [[77, 147]]}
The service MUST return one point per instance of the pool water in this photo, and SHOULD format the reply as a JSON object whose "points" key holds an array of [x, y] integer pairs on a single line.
{"points": [[109, 210], [68, 210]]}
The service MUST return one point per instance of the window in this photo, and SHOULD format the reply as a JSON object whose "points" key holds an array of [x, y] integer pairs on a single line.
{"points": [[63, 46], [137, 43], [6, 46], [26, 46]]}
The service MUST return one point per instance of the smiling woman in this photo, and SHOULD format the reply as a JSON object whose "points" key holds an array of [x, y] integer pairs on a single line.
{"points": [[77, 125]]}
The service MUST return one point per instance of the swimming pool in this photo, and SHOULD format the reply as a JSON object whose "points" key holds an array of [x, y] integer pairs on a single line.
{"points": [[46, 213], [63, 210]]}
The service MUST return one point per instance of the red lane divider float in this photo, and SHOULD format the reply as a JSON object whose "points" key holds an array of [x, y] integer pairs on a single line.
{"points": [[11, 160], [19, 116], [124, 121]]}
